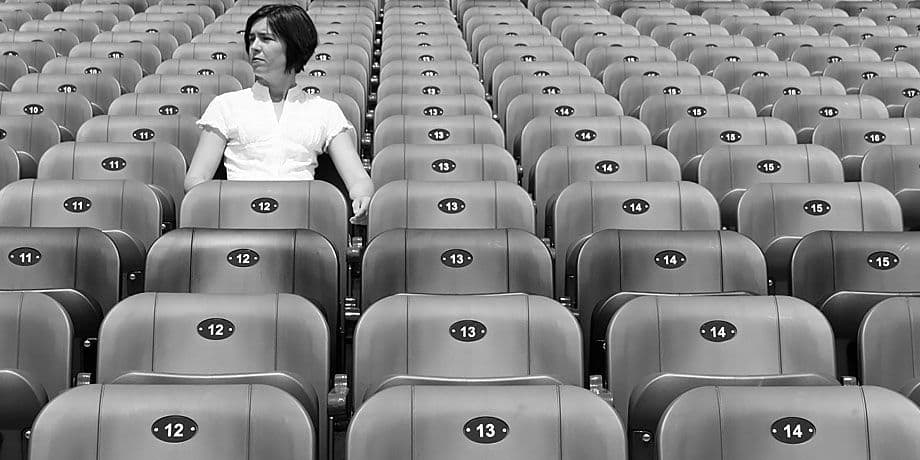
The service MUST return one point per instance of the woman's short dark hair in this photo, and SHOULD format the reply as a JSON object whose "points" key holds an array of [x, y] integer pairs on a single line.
{"points": [[295, 29]]}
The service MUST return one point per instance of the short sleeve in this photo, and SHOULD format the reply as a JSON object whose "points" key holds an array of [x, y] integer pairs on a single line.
{"points": [[336, 123], [215, 117]]}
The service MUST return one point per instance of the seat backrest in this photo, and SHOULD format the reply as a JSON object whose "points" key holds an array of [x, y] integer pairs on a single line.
{"points": [[777, 216], [850, 139], [786, 45], [611, 267], [300, 262], [887, 47], [729, 336], [443, 163], [733, 74], [461, 129], [665, 34], [538, 69], [430, 106], [763, 92], [728, 171], [166, 104], [38, 340], [68, 110], [707, 59], [892, 167], [126, 71], [886, 345], [558, 422], [187, 84], [796, 423], [567, 85], [853, 74], [238, 69], [845, 273], [492, 58], [30, 136], [275, 339], [587, 207], [179, 131], [760, 35], [635, 90], [584, 44], [146, 54], [804, 113], [617, 73], [62, 41], [455, 261], [682, 47], [490, 338], [894, 92], [180, 30], [660, 112], [79, 267], [180, 421], [857, 34], [423, 204], [817, 58], [526, 107]]}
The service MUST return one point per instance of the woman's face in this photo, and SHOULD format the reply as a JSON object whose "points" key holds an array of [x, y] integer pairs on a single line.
{"points": [[266, 52]]}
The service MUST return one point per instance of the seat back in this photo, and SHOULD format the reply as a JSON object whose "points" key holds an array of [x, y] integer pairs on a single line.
{"points": [[469, 162], [660, 112], [462, 129], [456, 261], [886, 344], [763, 92], [733, 74], [489, 339], [804, 113], [180, 131], [851, 139]]}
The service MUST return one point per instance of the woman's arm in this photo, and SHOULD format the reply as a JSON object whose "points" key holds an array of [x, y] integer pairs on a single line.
{"points": [[207, 158], [360, 188]]}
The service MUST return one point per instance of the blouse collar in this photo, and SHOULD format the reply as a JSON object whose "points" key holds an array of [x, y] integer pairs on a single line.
{"points": [[260, 91]]}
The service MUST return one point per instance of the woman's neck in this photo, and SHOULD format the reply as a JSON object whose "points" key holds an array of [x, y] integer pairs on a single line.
{"points": [[278, 89]]}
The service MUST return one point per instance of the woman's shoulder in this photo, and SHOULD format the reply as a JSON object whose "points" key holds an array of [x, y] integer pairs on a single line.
{"points": [[233, 98]]}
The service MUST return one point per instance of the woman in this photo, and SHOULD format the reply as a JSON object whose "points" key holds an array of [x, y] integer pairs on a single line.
{"points": [[274, 130]]}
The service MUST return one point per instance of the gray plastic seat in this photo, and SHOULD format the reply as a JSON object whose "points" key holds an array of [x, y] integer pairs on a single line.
{"points": [[817, 58], [690, 137], [78, 267], [180, 30], [222, 261], [29, 136], [125, 71], [11, 69], [562, 166], [856, 35], [785, 46], [434, 53], [525, 107], [432, 69], [615, 74], [543, 133], [430, 86], [233, 421], [179, 131], [279, 340], [68, 110], [760, 35], [36, 364], [810, 422], [540, 38], [783, 7], [599, 59], [660, 112], [455, 261], [606, 26], [763, 92], [684, 46], [584, 208], [160, 166], [566, 85], [851, 139], [585, 44], [188, 84], [160, 104], [469, 162], [734, 25], [611, 267], [495, 56], [13, 166], [886, 341], [236, 68], [894, 92], [559, 422], [402, 340], [824, 25], [426, 205], [145, 54], [423, 105], [464, 129], [706, 59], [34, 54], [647, 24], [734, 74], [777, 216], [635, 90], [83, 29], [661, 347], [62, 41], [718, 12], [845, 273], [854, 74], [804, 113], [665, 34], [312, 205], [892, 167], [728, 171], [539, 69]]}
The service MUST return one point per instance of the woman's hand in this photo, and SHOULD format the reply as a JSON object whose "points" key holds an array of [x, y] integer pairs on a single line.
{"points": [[359, 206]]}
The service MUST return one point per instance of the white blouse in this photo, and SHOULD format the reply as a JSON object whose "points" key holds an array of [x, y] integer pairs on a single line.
{"points": [[261, 146]]}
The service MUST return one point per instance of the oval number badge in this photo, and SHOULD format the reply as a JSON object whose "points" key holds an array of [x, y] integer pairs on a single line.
{"points": [[468, 330], [443, 166], [216, 329], [816, 207], [606, 166], [670, 259], [883, 260], [264, 205], [585, 135], [78, 204], [438, 134], [168, 109], [485, 430], [730, 136], [792, 430], [768, 166], [451, 205], [243, 258], [143, 134], [718, 331], [114, 164], [636, 206], [456, 258], [174, 428], [25, 257]]}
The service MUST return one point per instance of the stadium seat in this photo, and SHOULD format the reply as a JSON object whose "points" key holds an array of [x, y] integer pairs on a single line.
{"points": [[159, 165], [615, 74], [83, 29], [206, 12], [426, 205], [660, 112], [29, 136], [894, 92], [777, 216], [804, 113], [690, 138], [611, 267], [892, 167], [526, 107], [785, 46], [166, 104], [665, 34], [734, 74], [728, 171], [817, 58], [164, 42], [761, 35], [11, 68], [62, 41], [179, 131], [812, 422], [824, 25], [851, 139], [180, 30], [463, 129], [559, 422], [485, 162], [423, 105], [845, 273], [279, 340], [539, 69], [763, 92], [707, 59], [661, 347], [735, 24], [885, 342], [684, 46], [68, 110], [598, 27], [180, 421], [599, 59], [543, 133], [13, 15], [854, 74], [430, 86], [490, 340], [126, 72], [34, 54], [647, 24], [457, 261], [583, 45], [635, 90], [584, 208], [188, 84], [495, 56], [240, 70], [14, 167], [104, 19]]}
